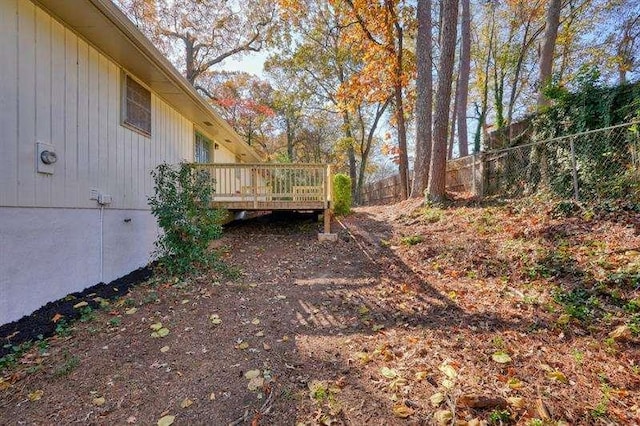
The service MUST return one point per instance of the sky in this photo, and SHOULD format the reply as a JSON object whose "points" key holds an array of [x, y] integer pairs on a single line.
{"points": [[251, 63]]}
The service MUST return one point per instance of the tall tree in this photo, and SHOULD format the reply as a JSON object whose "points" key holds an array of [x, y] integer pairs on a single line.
{"points": [[548, 49], [246, 102], [627, 47], [544, 76], [462, 87], [528, 15], [323, 61], [482, 78], [437, 169], [366, 142], [199, 34], [327, 60], [424, 99], [384, 25]]}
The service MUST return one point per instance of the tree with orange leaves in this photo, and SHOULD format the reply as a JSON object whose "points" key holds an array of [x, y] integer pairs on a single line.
{"points": [[326, 55], [381, 27]]}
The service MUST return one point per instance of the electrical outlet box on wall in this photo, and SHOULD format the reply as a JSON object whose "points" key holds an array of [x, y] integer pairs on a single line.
{"points": [[46, 158], [104, 199]]}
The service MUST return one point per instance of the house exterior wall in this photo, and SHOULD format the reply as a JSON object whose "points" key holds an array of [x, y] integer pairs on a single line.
{"points": [[57, 89]]}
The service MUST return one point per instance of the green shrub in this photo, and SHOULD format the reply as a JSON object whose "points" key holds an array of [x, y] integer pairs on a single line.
{"points": [[181, 204], [499, 417], [341, 194], [578, 303], [431, 215], [411, 240]]}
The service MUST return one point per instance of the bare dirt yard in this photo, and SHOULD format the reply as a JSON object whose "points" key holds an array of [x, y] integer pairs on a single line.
{"points": [[496, 314]]}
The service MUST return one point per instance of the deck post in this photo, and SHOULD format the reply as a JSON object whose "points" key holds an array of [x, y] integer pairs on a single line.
{"points": [[327, 221], [327, 188], [327, 235], [254, 186]]}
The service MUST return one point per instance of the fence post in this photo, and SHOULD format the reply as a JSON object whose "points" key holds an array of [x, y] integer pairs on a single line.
{"points": [[478, 174], [574, 169], [474, 188]]}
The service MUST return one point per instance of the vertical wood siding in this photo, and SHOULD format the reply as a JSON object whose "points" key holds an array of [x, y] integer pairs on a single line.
{"points": [[8, 102], [55, 88]]}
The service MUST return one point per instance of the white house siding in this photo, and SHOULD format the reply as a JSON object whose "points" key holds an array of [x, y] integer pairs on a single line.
{"points": [[54, 239], [223, 155]]}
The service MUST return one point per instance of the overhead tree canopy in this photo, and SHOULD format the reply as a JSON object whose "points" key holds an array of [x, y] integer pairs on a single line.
{"points": [[343, 76]]}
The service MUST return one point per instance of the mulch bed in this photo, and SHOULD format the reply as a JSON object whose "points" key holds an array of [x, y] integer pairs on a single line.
{"points": [[39, 324]]}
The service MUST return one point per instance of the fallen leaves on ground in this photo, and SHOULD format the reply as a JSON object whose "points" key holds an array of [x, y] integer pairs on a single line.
{"points": [[389, 373], [166, 420], [500, 309], [158, 330], [402, 411], [35, 395], [501, 357]]}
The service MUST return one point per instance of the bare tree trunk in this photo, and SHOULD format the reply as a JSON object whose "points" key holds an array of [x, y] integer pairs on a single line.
{"points": [[528, 38], [546, 67], [366, 148], [462, 88], [437, 170], [548, 48], [402, 127], [482, 111], [626, 46], [189, 57], [424, 107], [452, 128], [566, 45], [402, 144], [290, 137], [346, 124]]}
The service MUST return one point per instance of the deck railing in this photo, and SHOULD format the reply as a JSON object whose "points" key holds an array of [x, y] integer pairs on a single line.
{"points": [[270, 186]]}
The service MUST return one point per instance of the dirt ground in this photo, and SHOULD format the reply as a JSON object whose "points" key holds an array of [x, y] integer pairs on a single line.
{"points": [[414, 316]]}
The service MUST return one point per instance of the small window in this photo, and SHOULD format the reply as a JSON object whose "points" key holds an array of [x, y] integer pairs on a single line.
{"points": [[203, 149], [136, 106]]}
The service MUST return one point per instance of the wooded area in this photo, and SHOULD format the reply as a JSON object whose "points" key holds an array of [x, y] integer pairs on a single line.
{"points": [[381, 87]]}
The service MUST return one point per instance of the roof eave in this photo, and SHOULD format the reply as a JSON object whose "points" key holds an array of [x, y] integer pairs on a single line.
{"points": [[128, 47]]}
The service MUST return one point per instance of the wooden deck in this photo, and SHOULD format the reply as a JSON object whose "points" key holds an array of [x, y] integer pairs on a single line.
{"points": [[264, 186]]}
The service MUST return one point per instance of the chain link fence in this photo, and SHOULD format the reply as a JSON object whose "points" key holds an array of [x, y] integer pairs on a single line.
{"points": [[588, 167]]}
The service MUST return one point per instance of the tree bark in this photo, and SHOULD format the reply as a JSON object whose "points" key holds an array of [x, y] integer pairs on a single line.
{"points": [[366, 148], [402, 128], [462, 88], [546, 67], [625, 47], [454, 119], [548, 48], [437, 170], [290, 137], [346, 123], [189, 57], [482, 113], [424, 99]]}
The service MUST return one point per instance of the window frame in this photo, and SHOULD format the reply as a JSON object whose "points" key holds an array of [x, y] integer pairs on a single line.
{"points": [[211, 147], [125, 121]]}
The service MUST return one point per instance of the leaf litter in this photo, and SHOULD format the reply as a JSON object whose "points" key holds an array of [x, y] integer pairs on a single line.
{"points": [[447, 313]]}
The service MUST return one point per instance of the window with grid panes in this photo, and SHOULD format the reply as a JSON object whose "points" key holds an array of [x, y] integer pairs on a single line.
{"points": [[136, 106], [203, 153]]}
